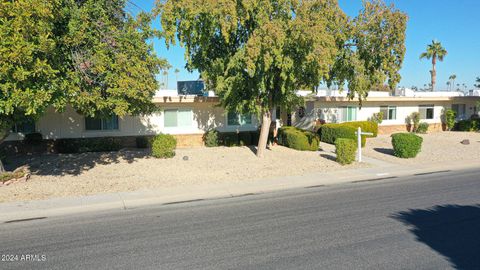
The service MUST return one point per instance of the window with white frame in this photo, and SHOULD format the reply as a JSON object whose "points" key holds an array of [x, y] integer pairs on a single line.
{"points": [[389, 112], [349, 113], [96, 124], [460, 110], [236, 119], [26, 127], [426, 111], [178, 118]]}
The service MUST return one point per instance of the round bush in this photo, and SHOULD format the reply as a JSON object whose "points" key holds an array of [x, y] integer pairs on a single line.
{"points": [[141, 142], [406, 145], [298, 139], [211, 138], [345, 150], [329, 133], [163, 146], [422, 128]]}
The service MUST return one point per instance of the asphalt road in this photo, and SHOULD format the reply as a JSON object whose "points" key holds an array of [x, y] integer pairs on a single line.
{"points": [[423, 222]]}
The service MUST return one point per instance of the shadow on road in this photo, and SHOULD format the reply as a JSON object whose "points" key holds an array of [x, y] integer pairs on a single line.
{"points": [[451, 230]]}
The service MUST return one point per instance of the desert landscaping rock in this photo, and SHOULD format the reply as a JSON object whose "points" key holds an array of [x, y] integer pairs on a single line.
{"points": [[89, 173], [436, 147], [465, 142]]}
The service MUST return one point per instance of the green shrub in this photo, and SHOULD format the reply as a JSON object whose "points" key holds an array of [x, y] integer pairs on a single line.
{"points": [[163, 146], [330, 132], [406, 145], [422, 128], [35, 138], [142, 142], [298, 139], [450, 116], [88, 145], [255, 135], [345, 150], [468, 125], [366, 126], [244, 138], [211, 138]]}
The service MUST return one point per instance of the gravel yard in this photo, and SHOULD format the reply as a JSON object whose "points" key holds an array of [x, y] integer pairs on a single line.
{"points": [[90, 173], [436, 147]]}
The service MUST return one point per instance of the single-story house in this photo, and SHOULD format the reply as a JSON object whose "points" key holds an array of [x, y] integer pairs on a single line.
{"points": [[189, 117]]}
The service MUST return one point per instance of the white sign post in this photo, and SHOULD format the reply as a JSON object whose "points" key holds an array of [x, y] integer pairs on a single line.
{"points": [[359, 140]]}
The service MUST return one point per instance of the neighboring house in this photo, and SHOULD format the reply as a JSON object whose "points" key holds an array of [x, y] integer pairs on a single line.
{"points": [[189, 117]]}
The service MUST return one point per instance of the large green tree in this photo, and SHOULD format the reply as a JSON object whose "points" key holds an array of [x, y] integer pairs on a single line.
{"points": [[257, 53], [435, 51], [88, 54]]}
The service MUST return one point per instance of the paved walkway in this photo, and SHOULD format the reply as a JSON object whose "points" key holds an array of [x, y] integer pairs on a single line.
{"points": [[128, 200]]}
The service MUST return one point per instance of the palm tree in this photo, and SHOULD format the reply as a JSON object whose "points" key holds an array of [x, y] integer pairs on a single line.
{"points": [[165, 74], [176, 74], [452, 78], [478, 82], [434, 51], [448, 85]]}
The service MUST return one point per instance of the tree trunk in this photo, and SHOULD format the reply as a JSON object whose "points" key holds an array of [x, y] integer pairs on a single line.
{"points": [[2, 169], [264, 130], [434, 73], [4, 132]]}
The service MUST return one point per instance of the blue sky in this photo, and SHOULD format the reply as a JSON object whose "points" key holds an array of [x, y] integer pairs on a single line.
{"points": [[455, 23]]}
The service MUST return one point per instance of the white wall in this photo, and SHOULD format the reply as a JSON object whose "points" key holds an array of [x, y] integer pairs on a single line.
{"points": [[72, 125]]}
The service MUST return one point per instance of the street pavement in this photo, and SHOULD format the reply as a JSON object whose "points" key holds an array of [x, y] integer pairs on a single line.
{"points": [[426, 221]]}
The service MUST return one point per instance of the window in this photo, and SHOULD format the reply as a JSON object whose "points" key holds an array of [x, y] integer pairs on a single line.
{"points": [[349, 114], [389, 112], [178, 118], [426, 112], [25, 127], [460, 110], [109, 123], [235, 119]]}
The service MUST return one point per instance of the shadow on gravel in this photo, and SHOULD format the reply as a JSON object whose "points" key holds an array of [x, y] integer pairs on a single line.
{"points": [[451, 230], [385, 151]]}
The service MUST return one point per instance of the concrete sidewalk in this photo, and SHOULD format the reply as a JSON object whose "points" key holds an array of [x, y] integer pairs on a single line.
{"points": [[129, 200]]}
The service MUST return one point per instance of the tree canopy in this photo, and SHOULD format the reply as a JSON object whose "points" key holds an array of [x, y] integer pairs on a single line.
{"points": [[88, 54], [256, 54]]}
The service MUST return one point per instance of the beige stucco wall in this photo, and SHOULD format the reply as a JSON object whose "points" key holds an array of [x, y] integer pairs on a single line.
{"points": [[69, 124], [331, 113]]}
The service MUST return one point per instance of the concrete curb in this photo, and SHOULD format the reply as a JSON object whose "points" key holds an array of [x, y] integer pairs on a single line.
{"points": [[128, 200]]}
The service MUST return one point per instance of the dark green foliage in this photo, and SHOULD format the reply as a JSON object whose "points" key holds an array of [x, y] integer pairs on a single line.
{"points": [[245, 138], [163, 146], [345, 150], [298, 139], [230, 139], [414, 120], [35, 138], [211, 138], [450, 116], [142, 142], [422, 128], [255, 135], [468, 125], [88, 145], [330, 132], [406, 145]]}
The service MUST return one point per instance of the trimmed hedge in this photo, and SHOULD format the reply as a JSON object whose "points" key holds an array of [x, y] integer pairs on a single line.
{"points": [[406, 145], [468, 125], [345, 150], [366, 126], [163, 146], [68, 146], [231, 139], [298, 139], [330, 132]]}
